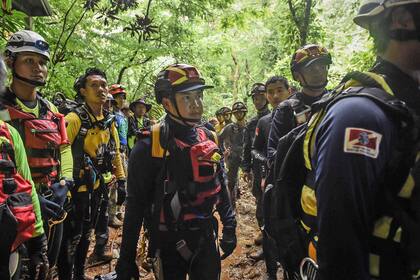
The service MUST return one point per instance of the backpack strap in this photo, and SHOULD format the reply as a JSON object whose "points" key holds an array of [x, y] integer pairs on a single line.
{"points": [[159, 134], [44, 106], [299, 109], [77, 148], [210, 134]]}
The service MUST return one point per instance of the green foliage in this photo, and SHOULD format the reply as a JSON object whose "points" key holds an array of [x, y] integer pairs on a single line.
{"points": [[234, 43]]}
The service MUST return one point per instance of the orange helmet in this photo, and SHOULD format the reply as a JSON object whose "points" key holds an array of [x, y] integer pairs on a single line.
{"points": [[116, 89], [309, 54], [178, 78]]}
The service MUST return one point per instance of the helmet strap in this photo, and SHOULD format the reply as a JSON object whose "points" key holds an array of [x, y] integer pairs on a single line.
{"points": [[180, 117], [31, 82], [408, 35], [313, 87]]}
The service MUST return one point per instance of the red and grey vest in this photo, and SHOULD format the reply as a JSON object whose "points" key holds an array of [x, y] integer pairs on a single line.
{"points": [[42, 138], [16, 209], [190, 192]]}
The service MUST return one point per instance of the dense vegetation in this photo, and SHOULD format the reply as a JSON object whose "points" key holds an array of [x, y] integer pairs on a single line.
{"points": [[233, 42]]}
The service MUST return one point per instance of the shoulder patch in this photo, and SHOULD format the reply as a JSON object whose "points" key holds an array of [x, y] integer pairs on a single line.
{"points": [[362, 141]]}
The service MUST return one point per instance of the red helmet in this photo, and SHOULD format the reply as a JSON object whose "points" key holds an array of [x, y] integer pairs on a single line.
{"points": [[116, 89], [178, 78]]}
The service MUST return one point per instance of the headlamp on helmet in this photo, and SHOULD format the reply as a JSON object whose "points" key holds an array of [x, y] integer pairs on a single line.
{"points": [[239, 107], [257, 88], [27, 41]]}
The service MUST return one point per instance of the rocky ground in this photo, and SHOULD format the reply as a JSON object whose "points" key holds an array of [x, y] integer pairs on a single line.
{"points": [[237, 267]]}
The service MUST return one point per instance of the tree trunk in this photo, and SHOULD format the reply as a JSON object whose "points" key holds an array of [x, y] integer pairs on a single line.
{"points": [[235, 77]]}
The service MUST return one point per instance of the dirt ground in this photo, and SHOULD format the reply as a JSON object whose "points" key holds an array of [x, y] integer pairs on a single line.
{"points": [[237, 267]]}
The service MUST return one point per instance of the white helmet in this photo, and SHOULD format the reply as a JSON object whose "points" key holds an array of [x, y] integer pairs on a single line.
{"points": [[27, 41], [371, 10]]}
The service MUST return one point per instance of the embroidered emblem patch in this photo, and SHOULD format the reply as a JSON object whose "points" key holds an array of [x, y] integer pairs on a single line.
{"points": [[257, 131], [362, 141]]}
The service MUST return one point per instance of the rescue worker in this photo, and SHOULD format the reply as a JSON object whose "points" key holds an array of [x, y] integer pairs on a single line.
{"points": [[227, 116], [232, 141], [220, 121], [251, 169], [364, 196], [180, 185], [42, 128], [138, 121], [120, 96], [108, 106], [277, 90], [213, 122], [30, 228], [95, 144], [126, 110], [309, 66]]}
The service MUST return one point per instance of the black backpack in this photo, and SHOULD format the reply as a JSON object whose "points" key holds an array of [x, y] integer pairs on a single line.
{"points": [[63, 104], [282, 210]]}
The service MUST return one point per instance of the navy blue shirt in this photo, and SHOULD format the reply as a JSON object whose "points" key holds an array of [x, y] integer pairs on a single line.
{"points": [[249, 136], [353, 145], [261, 135], [284, 121]]}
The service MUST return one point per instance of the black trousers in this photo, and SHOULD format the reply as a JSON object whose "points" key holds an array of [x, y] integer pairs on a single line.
{"points": [[101, 229], [204, 263], [78, 228], [54, 235], [233, 163], [257, 193]]}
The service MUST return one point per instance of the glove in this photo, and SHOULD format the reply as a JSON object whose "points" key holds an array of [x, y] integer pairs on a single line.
{"points": [[37, 251], [60, 191], [121, 192], [228, 242], [49, 209], [126, 270]]}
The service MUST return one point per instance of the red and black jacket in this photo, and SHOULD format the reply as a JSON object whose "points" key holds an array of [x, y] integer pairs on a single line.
{"points": [[17, 219], [42, 137]]}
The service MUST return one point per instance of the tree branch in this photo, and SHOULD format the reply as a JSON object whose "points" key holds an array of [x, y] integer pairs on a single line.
{"points": [[62, 29], [148, 8], [59, 55], [306, 20], [120, 75], [293, 13]]}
